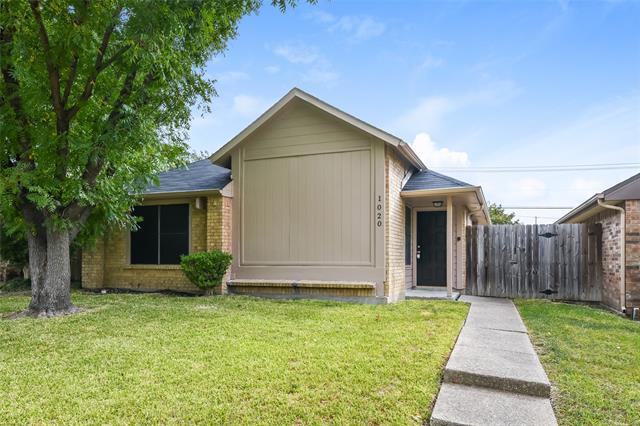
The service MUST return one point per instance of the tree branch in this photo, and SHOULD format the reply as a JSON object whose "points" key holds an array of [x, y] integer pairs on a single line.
{"points": [[99, 65], [93, 170], [12, 88], [79, 19], [72, 76], [52, 69]]}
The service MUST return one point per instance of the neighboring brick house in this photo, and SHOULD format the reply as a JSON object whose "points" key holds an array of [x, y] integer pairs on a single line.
{"points": [[617, 209], [312, 202]]}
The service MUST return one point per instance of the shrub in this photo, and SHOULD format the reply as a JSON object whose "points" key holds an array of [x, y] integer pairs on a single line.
{"points": [[15, 284], [206, 269]]}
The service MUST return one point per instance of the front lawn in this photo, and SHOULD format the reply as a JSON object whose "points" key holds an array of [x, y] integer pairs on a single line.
{"points": [[592, 358], [164, 359]]}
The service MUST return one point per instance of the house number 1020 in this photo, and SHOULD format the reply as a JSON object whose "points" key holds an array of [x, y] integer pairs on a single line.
{"points": [[379, 211]]}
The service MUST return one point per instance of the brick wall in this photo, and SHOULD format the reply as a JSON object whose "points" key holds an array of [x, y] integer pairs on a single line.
{"points": [[92, 270], [632, 247], [610, 221], [395, 170], [459, 247], [107, 265]]}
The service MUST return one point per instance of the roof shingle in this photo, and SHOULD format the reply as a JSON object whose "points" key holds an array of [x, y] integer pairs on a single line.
{"points": [[197, 176], [428, 179]]}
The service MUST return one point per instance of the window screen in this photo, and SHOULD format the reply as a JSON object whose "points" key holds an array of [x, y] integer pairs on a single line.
{"points": [[174, 233], [144, 241], [163, 234], [407, 236]]}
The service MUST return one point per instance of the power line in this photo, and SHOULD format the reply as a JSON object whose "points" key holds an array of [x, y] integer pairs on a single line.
{"points": [[544, 168], [537, 208], [539, 217]]}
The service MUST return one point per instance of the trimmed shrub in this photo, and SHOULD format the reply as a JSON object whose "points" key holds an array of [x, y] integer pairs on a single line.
{"points": [[206, 269]]}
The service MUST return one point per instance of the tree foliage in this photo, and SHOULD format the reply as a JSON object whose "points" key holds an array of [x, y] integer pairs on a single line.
{"points": [[500, 217], [95, 99]]}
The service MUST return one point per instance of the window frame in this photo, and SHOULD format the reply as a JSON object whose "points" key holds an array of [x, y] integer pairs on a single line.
{"points": [[408, 254], [189, 236]]}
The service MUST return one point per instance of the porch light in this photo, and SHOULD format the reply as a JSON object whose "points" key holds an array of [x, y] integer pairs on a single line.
{"points": [[437, 203]]}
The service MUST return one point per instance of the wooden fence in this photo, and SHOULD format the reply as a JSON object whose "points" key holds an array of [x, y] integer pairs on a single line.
{"points": [[533, 261]]}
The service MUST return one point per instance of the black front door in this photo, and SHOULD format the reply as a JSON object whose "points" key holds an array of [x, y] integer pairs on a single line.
{"points": [[431, 250]]}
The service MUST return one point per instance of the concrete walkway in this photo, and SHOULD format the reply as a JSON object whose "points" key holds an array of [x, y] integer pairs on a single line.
{"points": [[493, 376], [437, 293]]}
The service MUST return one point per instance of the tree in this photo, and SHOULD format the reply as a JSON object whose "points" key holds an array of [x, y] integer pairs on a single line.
{"points": [[95, 99], [500, 217], [195, 155]]}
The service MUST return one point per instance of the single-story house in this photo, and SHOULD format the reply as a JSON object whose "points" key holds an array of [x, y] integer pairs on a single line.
{"points": [[312, 202], [617, 209]]}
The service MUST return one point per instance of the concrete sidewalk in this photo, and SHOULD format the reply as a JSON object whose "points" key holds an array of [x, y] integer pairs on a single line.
{"points": [[493, 375]]}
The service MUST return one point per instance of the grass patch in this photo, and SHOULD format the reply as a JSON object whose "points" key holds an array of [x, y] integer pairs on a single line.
{"points": [[592, 358], [163, 359]]}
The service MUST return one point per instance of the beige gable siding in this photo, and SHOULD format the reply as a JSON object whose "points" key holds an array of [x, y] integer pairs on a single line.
{"points": [[293, 201], [306, 186]]}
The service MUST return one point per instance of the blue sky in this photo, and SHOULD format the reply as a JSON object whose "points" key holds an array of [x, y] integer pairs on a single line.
{"points": [[470, 84]]}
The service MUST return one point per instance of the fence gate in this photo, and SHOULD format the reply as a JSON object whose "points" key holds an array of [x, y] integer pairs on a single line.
{"points": [[531, 261]]}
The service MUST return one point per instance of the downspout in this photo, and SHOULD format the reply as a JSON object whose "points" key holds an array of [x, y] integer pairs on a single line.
{"points": [[623, 249]]}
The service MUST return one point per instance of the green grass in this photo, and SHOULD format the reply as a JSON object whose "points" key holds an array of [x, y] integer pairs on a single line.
{"points": [[592, 358], [234, 360]]}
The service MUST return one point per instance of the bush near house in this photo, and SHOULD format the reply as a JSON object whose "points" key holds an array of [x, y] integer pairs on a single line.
{"points": [[592, 359], [206, 269]]}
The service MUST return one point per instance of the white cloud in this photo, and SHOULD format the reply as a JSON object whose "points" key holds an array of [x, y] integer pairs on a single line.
{"points": [[430, 62], [359, 28], [527, 189], [297, 53], [272, 69], [356, 28], [319, 69], [322, 17], [427, 115], [431, 112], [230, 76], [321, 75], [435, 157], [247, 105], [586, 186]]}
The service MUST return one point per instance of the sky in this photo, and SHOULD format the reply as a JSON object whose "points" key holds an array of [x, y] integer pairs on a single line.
{"points": [[469, 84]]}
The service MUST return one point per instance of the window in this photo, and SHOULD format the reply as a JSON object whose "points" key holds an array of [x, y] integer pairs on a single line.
{"points": [[407, 236], [162, 236]]}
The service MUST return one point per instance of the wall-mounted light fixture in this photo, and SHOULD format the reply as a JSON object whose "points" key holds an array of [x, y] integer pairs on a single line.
{"points": [[437, 204]]}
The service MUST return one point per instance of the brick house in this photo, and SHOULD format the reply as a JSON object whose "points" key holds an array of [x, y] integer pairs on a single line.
{"points": [[312, 202], [617, 209]]}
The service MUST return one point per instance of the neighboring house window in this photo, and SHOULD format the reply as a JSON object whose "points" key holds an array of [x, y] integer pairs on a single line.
{"points": [[407, 236], [162, 236]]}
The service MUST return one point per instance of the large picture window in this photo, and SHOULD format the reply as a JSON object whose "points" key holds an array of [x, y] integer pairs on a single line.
{"points": [[162, 236], [407, 236]]}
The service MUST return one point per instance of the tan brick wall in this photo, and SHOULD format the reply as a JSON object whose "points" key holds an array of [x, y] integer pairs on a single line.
{"points": [[107, 265], [304, 288], [395, 170], [93, 266], [610, 221], [632, 252], [219, 229], [459, 248]]}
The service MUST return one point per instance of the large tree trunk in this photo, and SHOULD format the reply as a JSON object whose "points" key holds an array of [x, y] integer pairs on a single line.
{"points": [[50, 274]]}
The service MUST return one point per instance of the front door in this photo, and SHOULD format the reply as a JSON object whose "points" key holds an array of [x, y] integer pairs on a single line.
{"points": [[431, 249]]}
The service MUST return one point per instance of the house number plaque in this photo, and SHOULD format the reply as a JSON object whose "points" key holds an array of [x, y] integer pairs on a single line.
{"points": [[379, 211]]}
